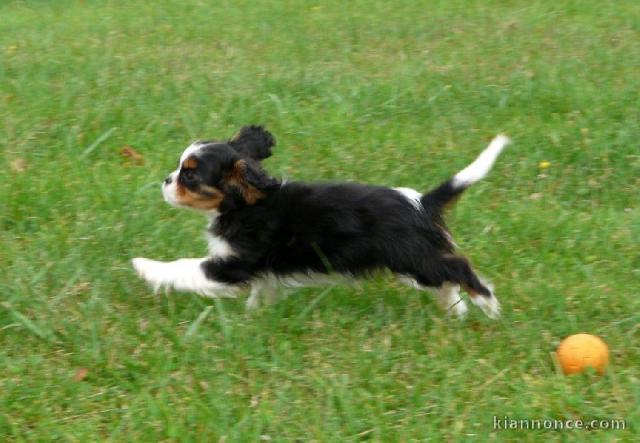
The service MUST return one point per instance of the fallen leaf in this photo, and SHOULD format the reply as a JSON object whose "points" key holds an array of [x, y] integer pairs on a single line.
{"points": [[81, 374], [128, 152], [18, 164], [80, 288]]}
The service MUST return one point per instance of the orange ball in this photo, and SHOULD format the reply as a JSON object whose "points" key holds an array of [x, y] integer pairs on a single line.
{"points": [[580, 351]]}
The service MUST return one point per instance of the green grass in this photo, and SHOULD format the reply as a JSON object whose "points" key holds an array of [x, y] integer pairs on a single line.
{"points": [[396, 93]]}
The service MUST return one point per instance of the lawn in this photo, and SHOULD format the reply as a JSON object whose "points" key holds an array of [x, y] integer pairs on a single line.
{"points": [[392, 92]]}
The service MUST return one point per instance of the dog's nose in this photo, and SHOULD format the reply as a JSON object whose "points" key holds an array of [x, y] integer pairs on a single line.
{"points": [[167, 181]]}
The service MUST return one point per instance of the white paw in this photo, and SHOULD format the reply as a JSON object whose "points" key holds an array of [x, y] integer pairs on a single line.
{"points": [[151, 271], [253, 302], [459, 309], [183, 275], [209, 291], [489, 305], [449, 299]]}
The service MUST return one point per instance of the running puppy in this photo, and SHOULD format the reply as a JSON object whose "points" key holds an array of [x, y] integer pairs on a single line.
{"points": [[264, 232]]}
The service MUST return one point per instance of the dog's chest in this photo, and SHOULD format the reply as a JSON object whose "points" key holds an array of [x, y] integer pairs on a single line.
{"points": [[219, 247]]}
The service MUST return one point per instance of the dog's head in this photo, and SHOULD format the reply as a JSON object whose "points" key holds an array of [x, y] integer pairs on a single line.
{"points": [[216, 176]]}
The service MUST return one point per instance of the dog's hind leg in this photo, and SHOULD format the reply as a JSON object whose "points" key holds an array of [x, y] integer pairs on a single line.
{"points": [[449, 299], [459, 270], [447, 294], [447, 274]]}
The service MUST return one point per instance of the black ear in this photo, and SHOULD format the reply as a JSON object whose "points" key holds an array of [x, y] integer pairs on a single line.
{"points": [[256, 176], [250, 180], [254, 142]]}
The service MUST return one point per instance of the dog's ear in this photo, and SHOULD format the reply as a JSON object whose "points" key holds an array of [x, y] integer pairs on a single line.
{"points": [[250, 180], [254, 142]]}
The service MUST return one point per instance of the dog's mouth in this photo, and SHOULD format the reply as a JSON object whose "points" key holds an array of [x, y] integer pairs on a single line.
{"points": [[204, 198]]}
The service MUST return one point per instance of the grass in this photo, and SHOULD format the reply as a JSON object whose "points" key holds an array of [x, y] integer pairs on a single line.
{"points": [[396, 93]]}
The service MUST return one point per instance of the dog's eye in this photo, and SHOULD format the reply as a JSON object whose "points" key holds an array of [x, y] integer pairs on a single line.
{"points": [[188, 175]]}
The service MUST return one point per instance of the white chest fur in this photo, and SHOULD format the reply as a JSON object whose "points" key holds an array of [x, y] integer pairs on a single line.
{"points": [[219, 247]]}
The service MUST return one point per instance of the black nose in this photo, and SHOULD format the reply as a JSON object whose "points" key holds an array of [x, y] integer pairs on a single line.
{"points": [[167, 181]]}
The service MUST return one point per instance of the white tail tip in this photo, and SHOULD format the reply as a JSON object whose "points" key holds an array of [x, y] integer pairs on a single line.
{"points": [[481, 166]]}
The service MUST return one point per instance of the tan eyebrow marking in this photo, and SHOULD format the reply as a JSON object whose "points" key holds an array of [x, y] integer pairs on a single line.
{"points": [[190, 163]]}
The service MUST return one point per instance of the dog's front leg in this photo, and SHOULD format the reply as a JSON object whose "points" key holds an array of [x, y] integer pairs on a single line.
{"points": [[265, 291], [186, 274]]}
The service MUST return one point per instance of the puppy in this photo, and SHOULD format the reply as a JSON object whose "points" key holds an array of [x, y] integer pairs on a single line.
{"points": [[264, 232]]}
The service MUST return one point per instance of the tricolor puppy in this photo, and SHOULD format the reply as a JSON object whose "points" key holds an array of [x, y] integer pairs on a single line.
{"points": [[264, 233]]}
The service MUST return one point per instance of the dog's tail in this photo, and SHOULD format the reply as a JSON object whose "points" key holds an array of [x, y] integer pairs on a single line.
{"points": [[444, 194]]}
